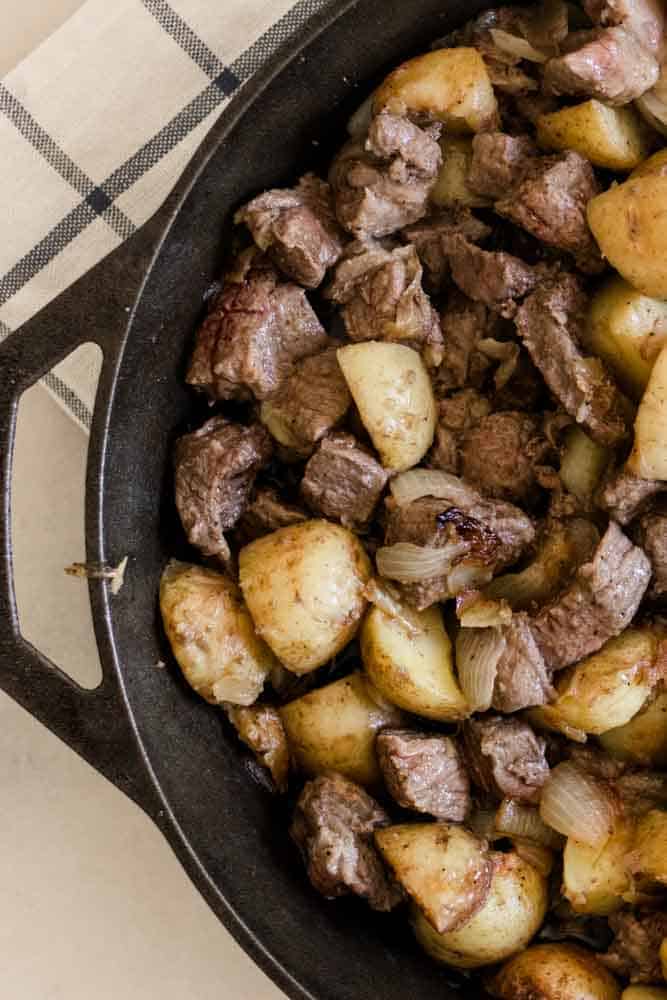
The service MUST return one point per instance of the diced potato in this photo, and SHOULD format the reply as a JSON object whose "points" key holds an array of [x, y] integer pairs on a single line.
{"points": [[594, 878], [615, 138], [607, 689], [334, 727], [648, 458], [304, 587], [393, 393], [413, 669], [629, 222], [451, 85], [451, 188], [212, 635], [654, 166], [627, 329], [582, 464], [650, 848], [554, 972], [643, 740], [443, 868], [644, 993], [511, 915]]}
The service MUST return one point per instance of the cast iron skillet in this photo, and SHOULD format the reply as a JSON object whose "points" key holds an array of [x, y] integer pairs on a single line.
{"points": [[142, 728]]}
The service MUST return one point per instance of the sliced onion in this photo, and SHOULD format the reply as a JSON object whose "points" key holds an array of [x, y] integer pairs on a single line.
{"points": [[384, 597], [476, 611], [360, 121], [514, 819], [410, 563], [505, 351], [468, 575], [653, 107], [478, 651], [577, 806], [516, 46], [537, 855], [417, 483]]}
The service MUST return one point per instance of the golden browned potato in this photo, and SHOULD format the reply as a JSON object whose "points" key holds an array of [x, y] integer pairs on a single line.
{"points": [[444, 868], [334, 727], [626, 329], [594, 879], [511, 915], [654, 165], [451, 85], [393, 393], [644, 993], [582, 463], [554, 972], [451, 188], [629, 222], [304, 587], [648, 458], [412, 664], [615, 138], [212, 635], [643, 740], [649, 857]]}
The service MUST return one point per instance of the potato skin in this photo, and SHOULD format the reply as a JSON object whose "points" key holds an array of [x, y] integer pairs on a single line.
{"points": [[615, 138], [554, 972], [511, 915], [212, 635], [304, 589], [334, 727], [451, 85], [415, 672], [650, 848], [595, 879], [643, 740], [394, 396], [648, 458]]}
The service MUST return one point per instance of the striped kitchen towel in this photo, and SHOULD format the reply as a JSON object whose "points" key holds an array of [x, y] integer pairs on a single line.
{"points": [[96, 126]]}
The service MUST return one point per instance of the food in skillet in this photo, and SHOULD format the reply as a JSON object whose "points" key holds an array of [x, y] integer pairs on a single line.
{"points": [[430, 502]]}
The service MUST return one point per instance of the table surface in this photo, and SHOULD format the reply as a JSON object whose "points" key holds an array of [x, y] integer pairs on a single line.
{"points": [[94, 904]]}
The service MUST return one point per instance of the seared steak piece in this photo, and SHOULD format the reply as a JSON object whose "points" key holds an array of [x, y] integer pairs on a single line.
{"points": [[343, 482], [256, 329], [333, 826], [505, 757], [522, 679], [653, 540], [609, 64], [600, 602], [383, 184], [645, 19], [424, 772], [215, 471], [297, 227], [464, 324], [500, 455], [310, 402], [267, 513], [550, 322], [494, 278], [499, 162], [382, 298], [261, 729], [550, 201], [432, 237], [625, 495], [456, 415], [634, 953]]}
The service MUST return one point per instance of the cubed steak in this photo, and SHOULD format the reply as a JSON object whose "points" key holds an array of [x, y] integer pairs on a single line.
{"points": [[635, 950], [424, 772], [433, 239], [624, 496], [343, 481], [653, 540], [608, 64], [502, 455], [505, 758], [499, 161]]}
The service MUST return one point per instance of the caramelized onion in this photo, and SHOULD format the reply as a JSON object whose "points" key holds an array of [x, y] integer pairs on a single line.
{"points": [[478, 651], [515, 46], [515, 819], [474, 610], [384, 597], [577, 806], [410, 563], [417, 483]]}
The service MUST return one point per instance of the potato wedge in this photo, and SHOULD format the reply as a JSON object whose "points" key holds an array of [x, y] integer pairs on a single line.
{"points": [[304, 587], [451, 188], [643, 740], [648, 458], [212, 635], [554, 972], [582, 464], [511, 915], [451, 85], [615, 138], [413, 669], [393, 393], [443, 868], [627, 329], [649, 858], [629, 222], [595, 879], [334, 727], [654, 166]]}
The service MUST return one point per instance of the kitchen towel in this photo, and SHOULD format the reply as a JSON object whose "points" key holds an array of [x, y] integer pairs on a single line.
{"points": [[97, 125]]}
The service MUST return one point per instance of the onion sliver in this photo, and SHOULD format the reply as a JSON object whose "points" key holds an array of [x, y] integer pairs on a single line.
{"points": [[577, 806], [410, 563], [478, 651]]}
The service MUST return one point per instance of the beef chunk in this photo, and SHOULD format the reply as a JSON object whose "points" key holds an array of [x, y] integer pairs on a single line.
{"points": [[343, 482], [456, 415], [261, 729], [297, 227], [505, 757], [634, 953], [645, 19], [215, 471], [522, 679], [609, 64], [256, 329], [464, 325], [267, 513], [501, 453], [499, 162], [550, 201], [653, 540], [424, 772], [433, 236], [625, 495], [310, 403], [494, 278], [382, 298], [384, 184], [600, 602], [550, 322], [333, 826]]}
